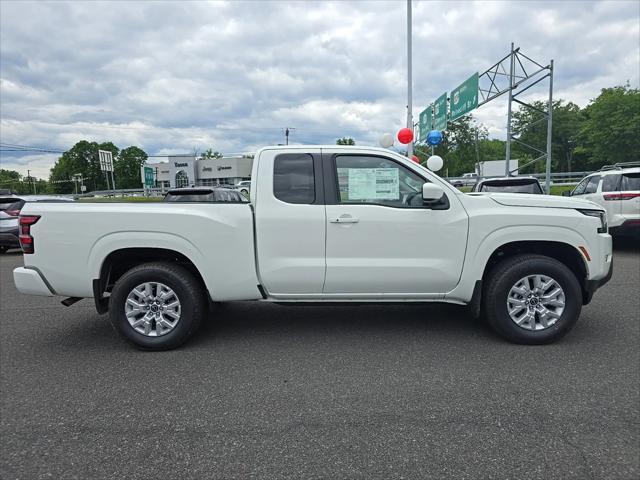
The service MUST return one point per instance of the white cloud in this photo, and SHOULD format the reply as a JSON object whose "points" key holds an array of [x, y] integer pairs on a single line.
{"points": [[174, 76]]}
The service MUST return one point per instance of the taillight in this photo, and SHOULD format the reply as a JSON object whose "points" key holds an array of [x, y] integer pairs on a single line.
{"points": [[13, 213], [26, 240], [621, 196]]}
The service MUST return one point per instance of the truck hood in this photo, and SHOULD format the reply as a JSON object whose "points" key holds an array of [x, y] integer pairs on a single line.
{"points": [[545, 201]]}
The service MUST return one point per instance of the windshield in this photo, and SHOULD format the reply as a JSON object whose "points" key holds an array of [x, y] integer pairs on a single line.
{"points": [[513, 187]]}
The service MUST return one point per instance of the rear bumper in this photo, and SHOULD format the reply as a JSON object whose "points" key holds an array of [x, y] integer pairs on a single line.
{"points": [[629, 227], [31, 282]]}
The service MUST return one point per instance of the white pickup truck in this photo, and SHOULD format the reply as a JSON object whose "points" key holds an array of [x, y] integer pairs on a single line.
{"points": [[325, 224]]}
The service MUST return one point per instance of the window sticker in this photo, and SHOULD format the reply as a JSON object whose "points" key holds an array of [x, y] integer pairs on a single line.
{"points": [[373, 184]]}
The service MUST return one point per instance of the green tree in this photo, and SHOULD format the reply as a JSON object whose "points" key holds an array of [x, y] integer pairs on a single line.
{"points": [[611, 129], [127, 167], [345, 141], [209, 153], [10, 180], [530, 128], [81, 159]]}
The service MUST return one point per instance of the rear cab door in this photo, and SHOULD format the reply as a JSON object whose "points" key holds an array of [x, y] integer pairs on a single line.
{"points": [[288, 196]]}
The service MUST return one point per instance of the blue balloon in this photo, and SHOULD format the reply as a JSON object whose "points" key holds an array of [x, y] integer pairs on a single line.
{"points": [[434, 137]]}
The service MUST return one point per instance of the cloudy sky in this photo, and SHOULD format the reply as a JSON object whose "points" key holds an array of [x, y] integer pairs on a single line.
{"points": [[174, 76]]}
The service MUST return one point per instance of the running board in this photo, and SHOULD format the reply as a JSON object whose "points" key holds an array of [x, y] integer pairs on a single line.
{"points": [[67, 302]]}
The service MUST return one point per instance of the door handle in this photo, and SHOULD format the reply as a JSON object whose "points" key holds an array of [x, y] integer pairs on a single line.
{"points": [[345, 219]]}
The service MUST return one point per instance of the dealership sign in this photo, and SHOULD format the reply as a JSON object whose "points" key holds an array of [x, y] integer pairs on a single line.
{"points": [[149, 180]]}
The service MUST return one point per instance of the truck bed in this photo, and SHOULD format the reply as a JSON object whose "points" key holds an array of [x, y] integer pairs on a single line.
{"points": [[72, 241]]}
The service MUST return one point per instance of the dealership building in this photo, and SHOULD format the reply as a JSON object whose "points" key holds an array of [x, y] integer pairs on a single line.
{"points": [[189, 171]]}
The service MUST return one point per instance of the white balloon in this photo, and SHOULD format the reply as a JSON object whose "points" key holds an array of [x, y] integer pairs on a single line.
{"points": [[386, 140], [435, 163]]}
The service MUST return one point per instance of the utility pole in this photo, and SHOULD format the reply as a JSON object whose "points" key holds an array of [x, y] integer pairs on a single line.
{"points": [[409, 80], [32, 180], [507, 162], [477, 152], [286, 136]]}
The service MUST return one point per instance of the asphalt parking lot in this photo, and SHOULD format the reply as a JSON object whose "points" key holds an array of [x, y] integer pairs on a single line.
{"points": [[268, 391]]}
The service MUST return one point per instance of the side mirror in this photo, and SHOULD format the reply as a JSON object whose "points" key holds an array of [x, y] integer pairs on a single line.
{"points": [[431, 192], [566, 193]]}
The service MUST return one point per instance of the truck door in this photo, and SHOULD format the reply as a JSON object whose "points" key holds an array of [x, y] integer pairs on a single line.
{"points": [[381, 239], [290, 221]]}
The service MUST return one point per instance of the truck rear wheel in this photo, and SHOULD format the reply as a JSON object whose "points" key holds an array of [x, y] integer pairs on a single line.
{"points": [[157, 306], [532, 299]]}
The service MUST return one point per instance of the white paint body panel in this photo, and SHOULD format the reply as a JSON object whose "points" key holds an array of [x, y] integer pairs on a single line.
{"points": [[296, 254]]}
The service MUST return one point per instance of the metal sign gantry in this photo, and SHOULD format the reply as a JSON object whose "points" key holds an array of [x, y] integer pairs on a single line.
{"points": [[522, 72], [514, 74]]}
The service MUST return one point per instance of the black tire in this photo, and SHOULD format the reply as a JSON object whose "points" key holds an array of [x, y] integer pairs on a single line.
{"points": [[506, 274], [188, 289]]}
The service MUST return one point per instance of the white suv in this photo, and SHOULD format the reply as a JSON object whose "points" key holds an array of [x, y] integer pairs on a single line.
{"points": [[617, 189]]}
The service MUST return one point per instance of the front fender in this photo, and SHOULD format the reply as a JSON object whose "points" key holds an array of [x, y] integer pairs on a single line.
{"points": [[478, 255]]}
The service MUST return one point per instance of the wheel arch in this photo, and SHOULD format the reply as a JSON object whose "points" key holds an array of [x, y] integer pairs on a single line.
{"points": [[119, 261], [563, 252]]}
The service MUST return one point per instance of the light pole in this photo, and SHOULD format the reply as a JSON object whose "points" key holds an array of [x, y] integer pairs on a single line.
{"points": [[409, 80]]}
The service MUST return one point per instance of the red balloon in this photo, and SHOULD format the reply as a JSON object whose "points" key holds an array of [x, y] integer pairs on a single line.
{"points": [[405, 135], [415, 159]]}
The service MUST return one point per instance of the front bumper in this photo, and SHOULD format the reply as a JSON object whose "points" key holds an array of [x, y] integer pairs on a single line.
{"points": [[30, 282], [591, 286]]}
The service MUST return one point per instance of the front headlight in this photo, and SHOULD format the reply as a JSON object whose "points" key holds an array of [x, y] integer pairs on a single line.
{"points": [[601, 214]]}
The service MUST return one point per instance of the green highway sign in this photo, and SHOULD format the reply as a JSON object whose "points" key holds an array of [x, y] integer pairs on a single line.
{"points": [[464, 98], [440, 112], [149, 181], [425, 124]]}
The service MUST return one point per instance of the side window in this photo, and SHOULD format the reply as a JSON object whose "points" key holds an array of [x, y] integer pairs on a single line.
{"points": [[630, 181], [592, 185], [579, 190], [293, 178], [377, 180], [610, 183]]}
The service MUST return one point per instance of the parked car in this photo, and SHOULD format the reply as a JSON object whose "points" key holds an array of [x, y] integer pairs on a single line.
{"points": [[8, 221], [10, 207], [244, 187], [509, 185], [326, 224], [466, 180], [204, 194], [617, 189]]}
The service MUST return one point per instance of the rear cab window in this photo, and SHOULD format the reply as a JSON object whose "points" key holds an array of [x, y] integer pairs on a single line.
{"points": [[294, 178]]}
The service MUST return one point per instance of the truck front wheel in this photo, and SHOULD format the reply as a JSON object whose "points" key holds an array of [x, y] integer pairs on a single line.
{"points": [[532, 299], [157, 306]]}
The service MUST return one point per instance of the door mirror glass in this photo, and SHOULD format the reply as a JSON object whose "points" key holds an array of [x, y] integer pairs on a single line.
{"points": [[431, 192]]}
